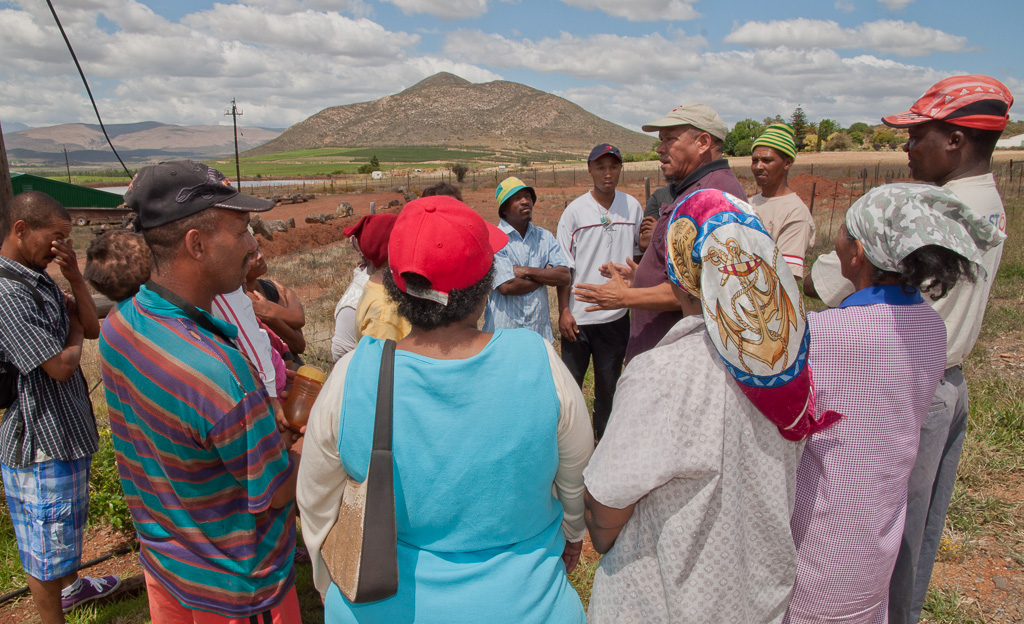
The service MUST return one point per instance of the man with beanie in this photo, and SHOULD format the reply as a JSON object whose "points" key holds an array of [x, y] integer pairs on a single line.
{"points": [[209, 480], [691, 138], [953, 130], [598, 227], [531, 261], [781, 210]]}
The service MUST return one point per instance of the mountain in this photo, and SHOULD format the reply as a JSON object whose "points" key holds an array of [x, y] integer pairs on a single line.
{"points": [[446, 110], [136, 142]]}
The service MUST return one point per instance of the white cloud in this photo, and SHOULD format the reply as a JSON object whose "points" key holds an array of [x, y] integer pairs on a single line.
{"points": [[281, 68], [597, 57], [445, 9], [885, 36], [642, 10], [895, 5], [845, 7]]}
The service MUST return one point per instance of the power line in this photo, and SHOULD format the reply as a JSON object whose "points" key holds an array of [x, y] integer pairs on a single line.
{"points": [[87, 89]]}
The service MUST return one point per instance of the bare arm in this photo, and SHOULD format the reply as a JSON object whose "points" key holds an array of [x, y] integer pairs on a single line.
{"points": [[289, 308], [604, 523], [566, 321], [518, 286], [286, 492], [84, 304], [63, 365], [616, 294], [548, 276], [275, 316]]}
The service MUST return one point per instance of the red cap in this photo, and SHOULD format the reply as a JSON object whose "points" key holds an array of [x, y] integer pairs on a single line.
{"points": [[973, 101], [372, 233], [445, 241]]}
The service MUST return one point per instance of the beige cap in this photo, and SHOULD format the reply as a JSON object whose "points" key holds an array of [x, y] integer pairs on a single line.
{"points": [[700, 116]]}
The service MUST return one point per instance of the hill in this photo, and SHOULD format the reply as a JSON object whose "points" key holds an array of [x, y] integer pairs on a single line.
{"points": [[449, 111], [136, 142]]}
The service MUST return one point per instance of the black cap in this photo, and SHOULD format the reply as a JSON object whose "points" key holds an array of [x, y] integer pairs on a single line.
{"points": [[173, 190], [603, 149]]}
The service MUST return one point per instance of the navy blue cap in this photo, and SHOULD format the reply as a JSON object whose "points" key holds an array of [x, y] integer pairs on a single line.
{"points": [[603, 149]]}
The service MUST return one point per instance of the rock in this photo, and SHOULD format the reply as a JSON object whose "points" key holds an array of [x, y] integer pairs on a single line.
{"points": [[409, 197], [345, 209], [320, 218], [1001, 582], [278, 225], [290, 223], [259, 226], [394, 203]]}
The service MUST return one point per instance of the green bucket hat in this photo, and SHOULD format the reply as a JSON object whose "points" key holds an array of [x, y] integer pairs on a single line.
{"points": [[508, 188]]}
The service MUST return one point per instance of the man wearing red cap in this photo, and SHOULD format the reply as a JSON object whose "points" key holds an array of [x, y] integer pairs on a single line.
{"points": [[953, 131]]}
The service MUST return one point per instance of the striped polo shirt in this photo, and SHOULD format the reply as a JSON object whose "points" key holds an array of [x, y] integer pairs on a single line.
{"points": [[199, 457]]}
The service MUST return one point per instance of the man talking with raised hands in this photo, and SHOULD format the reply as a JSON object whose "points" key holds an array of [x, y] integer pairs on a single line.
{"points": [[690, 151]]}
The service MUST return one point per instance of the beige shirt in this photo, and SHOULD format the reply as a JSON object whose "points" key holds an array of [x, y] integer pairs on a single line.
{"points": [[377, 315], [322, 477], [790, 225], [963, 307]]}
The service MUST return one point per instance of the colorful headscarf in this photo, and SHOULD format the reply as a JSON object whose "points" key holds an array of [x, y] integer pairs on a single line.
{"points": [[894, 220], [719, 252], [779, 136]]}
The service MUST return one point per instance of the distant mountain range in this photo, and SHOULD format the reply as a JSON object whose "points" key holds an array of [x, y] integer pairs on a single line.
{"points": [[145, 141], [446, 110]]}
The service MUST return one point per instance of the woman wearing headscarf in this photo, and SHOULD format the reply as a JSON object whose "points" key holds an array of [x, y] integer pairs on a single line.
{"points": [[490, 437], [877, 359], [691, 489]]}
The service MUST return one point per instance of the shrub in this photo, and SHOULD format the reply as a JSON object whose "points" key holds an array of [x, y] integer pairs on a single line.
{"points": [[839, 142], [106, 499], [460, 170], [743, 147]]}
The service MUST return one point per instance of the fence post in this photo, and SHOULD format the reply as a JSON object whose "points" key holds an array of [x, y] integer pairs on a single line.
{"points": [[814, 187], [647, 190]]}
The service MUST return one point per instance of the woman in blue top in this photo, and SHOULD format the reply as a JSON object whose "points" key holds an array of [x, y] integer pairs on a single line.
{"points": [[491, 436]]}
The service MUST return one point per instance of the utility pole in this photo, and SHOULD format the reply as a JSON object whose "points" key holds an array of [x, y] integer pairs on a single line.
{"points": [[66, 163], [6, 191], [235, 113]]}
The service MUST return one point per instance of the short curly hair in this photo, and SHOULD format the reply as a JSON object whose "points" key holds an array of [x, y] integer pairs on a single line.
{"points": [[932, 268], [117, 264], [428, 315]]}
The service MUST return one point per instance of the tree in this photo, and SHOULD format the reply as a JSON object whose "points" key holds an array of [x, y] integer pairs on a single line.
{"points": [[748, 130], [826, 128], [524, 161], [375, 163], [885, 138], [861, 127], [460, 170], [743, 148], [810, 142], [856, 137], [772, 120], [799, 124]]}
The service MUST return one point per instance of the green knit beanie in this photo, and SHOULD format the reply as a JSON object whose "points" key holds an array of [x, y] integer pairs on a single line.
{"points": [[781, 137]]}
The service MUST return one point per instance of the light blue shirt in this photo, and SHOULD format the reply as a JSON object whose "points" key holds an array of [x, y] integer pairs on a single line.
{"points": [[537, 249]]}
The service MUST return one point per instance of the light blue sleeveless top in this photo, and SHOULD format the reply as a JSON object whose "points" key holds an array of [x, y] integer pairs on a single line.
{"points": [[475, 454]]}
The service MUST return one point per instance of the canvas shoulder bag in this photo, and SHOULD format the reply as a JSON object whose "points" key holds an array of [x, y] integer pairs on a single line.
{"points": [[361, 549]]}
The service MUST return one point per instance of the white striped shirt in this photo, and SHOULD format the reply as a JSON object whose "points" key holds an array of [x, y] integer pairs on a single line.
{"points": [[254, 343]]}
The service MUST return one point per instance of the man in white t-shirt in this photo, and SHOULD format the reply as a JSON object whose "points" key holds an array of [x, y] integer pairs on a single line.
{"points": [[600, 226], [953, 131]]}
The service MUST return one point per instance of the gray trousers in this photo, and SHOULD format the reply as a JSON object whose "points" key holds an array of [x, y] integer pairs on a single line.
{"points": [[928, 494]]}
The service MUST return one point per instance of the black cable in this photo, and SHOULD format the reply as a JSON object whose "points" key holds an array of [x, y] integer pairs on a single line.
{"points": [[87, 89]]}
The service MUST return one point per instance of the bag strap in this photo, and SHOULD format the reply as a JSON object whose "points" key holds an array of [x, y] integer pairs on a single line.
{"points": [[190, 311], [378, 574], [382, 426], [11, 275]]}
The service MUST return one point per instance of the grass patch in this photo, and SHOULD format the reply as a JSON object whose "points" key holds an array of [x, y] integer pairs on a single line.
{"points": [[950, 607]]}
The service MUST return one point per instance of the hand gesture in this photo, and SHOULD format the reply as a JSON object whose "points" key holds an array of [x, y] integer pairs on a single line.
{"points": [[66, 259], [261, 306], [646, 232]]}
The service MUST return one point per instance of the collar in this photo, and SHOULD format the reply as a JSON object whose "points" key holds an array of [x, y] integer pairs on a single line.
{"points": [[21, 269], [504, 226], [890, 295], [677, 188], [158, 305]]}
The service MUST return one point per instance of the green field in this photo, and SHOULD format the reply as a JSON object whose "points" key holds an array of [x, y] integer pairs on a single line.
{"points": [[364, 154]]}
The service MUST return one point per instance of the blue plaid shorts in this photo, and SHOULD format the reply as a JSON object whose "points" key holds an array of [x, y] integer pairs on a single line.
{"points": [[49, 504]]}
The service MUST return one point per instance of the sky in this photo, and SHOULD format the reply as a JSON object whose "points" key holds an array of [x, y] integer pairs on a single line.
{"points": [[628, 61]]}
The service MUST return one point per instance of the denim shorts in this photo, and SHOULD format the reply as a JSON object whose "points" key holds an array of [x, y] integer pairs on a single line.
{"points": [[49, 504]]}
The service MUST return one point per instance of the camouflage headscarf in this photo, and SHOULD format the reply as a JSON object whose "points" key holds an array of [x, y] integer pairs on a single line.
{"points": [[894, 220], [719, 252]]}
